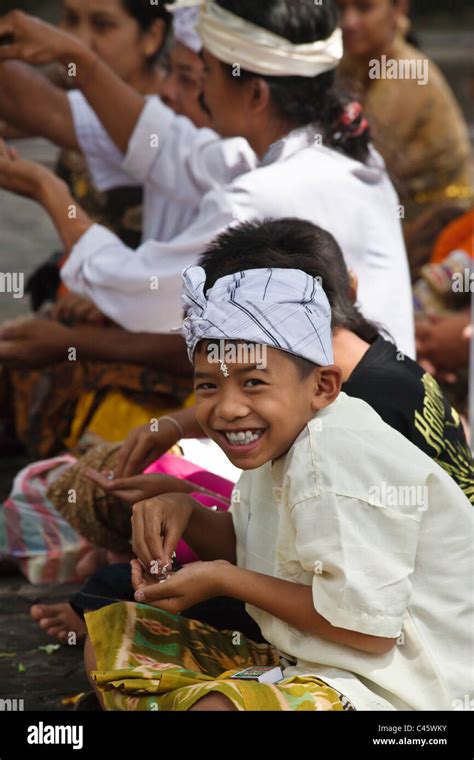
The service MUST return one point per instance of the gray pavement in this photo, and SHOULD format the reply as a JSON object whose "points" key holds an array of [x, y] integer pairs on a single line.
{"points": [[27, 237]]}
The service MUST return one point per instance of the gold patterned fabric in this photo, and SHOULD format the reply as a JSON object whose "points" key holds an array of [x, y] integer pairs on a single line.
{"points": [[47, 410], [420, 132]]}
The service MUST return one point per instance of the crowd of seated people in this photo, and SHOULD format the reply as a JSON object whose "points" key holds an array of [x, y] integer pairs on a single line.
{"points": [[243, 392]]}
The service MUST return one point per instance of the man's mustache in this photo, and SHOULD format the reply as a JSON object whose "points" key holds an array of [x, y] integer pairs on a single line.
{"points": [[203, 104]]}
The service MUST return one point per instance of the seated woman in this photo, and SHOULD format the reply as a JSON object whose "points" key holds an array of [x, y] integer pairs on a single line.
{"points": [[373, 370], [119, 381], [313, 147], [130, 37], [332, 539], [443, 309], [416, 123]]}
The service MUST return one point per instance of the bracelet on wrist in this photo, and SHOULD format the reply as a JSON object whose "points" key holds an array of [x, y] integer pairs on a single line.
{"points": [[177, 424]]}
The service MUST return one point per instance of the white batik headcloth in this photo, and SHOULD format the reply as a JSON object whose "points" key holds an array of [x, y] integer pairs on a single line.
{"points": [[185, 21], [282, 308], [234, 40]]}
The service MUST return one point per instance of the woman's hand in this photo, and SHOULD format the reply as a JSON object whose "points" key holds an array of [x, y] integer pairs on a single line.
{"points": [[75, 308], [193, 584], [140, 487], [157, 526], [29, 39], [24, 178], [143, 446], [34, 343]]}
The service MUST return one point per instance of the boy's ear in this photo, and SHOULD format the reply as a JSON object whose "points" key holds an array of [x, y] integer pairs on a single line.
{"points": [[327, 386]]}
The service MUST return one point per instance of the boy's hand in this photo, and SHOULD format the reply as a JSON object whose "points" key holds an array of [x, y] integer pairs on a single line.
{"points": [[29, 39], [191, 585], [157, 526], [24, 178], [140, 487]]}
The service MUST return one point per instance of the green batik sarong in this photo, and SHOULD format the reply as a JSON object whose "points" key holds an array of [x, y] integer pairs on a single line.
{"points": [[148, 659]]}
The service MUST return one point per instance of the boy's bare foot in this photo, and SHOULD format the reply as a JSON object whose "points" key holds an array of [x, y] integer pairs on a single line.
{"points": [[59, 620]]}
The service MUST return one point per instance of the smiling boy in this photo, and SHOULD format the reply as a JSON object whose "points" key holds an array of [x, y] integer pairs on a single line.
{"points": [[367, 598]]}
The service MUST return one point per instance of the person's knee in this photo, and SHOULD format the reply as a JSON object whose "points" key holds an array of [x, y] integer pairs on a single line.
{"points": [[213, 702]]}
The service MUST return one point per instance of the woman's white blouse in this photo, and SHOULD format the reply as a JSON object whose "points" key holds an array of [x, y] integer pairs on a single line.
{"points": [[196, 185]]}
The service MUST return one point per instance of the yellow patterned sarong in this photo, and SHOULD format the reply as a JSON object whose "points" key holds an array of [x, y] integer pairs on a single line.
{"points": [[150, 660]]}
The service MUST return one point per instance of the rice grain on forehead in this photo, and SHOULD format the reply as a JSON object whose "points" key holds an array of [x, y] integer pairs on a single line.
{"points": [[253, 354]]}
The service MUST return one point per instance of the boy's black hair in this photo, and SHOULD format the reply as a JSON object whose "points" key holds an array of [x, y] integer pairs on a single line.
{"points": [[290, 244], [304, 100]]}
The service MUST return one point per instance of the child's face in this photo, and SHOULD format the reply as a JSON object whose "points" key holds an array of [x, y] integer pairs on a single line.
{"points": [[266, 408]]}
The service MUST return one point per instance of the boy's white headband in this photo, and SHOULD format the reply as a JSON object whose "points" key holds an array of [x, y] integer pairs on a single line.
{"points": [[234, 40]]}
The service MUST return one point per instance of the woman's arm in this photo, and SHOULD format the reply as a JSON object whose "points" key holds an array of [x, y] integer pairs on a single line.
{"points": [[34, 105], [41, 342], [165, 352], [117, 105], [35, 181], [70, 220]]}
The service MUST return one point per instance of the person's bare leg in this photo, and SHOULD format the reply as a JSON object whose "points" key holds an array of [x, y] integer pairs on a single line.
{"points": [[90, 664], [213, 702], [59, 620], [92, 561], [113, 558]]}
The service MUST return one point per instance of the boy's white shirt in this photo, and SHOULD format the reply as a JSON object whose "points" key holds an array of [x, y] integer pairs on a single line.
{"points": [[385, 570], [197, 185]]}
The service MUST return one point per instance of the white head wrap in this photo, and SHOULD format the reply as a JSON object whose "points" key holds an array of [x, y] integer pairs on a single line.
{"points": [[185, 21], [234, 40], [286, 309]]}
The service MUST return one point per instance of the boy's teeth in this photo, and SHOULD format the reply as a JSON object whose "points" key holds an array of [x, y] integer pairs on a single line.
{"points": [[242, 438]]}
